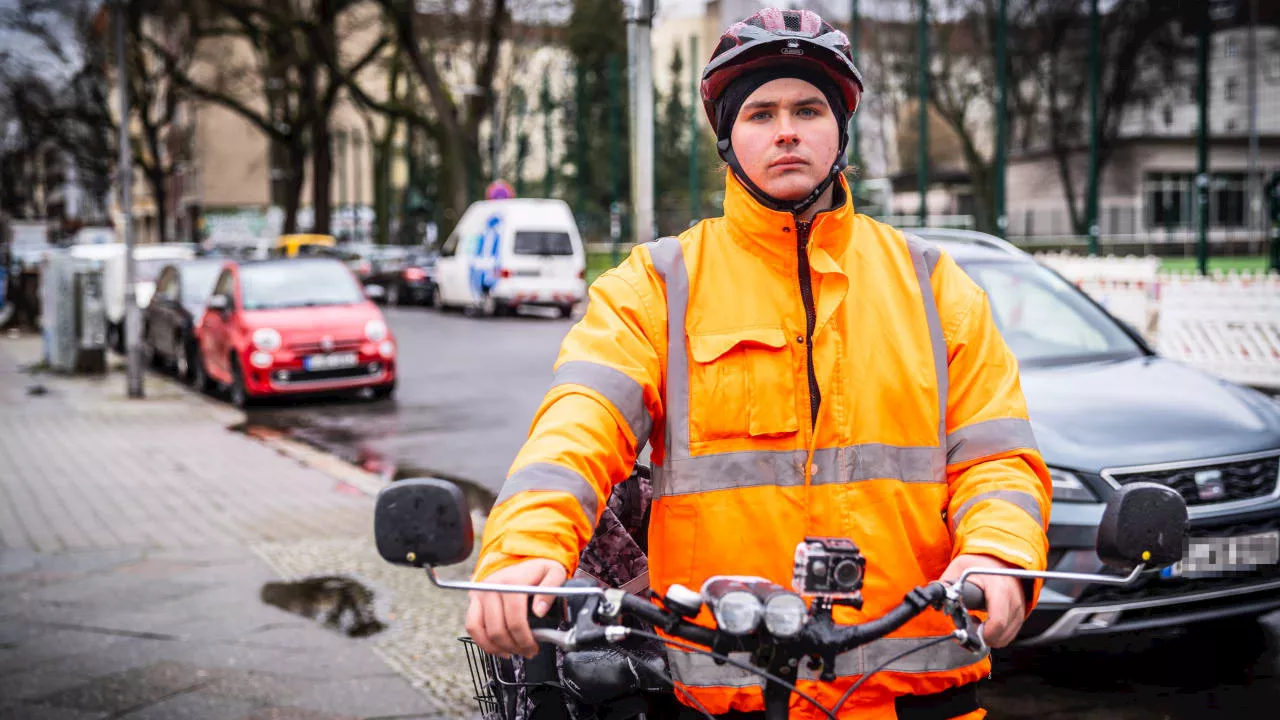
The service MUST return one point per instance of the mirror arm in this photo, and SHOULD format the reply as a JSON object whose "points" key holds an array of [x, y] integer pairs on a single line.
{"points": [[1054, 575], [513, 589]]}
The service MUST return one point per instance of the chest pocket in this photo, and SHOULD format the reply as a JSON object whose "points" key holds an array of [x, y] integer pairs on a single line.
{"points": [[742, 384]]}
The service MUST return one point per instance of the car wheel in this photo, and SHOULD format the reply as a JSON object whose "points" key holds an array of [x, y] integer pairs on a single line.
{"points": [[239, 394], [431, 297], [199, 377], [383, 392], [437, 299], [393, 296], [182, 359]]}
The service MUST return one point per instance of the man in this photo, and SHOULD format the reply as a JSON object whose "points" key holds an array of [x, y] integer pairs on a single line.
{"points": [[800, 370]]}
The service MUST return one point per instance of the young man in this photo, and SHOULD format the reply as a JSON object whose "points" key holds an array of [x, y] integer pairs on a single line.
{"points": [[800, 370]]}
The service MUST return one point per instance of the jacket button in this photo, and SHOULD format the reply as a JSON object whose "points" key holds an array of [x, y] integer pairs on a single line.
{"points": [[800, 339], [786, 229]]}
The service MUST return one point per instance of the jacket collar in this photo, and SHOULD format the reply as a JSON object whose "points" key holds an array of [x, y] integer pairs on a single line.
{"points": [[771, 234]]}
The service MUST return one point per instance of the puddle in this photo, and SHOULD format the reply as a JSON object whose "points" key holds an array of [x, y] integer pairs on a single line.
{"points": [[360, 449], [337, 602]]}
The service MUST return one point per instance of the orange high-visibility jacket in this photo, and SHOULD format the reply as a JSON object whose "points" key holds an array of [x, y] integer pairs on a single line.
{"points": [[717, 347]]}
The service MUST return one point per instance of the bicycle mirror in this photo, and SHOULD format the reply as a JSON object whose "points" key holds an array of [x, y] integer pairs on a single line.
{"points": [[1144, 523], [422, 521]]}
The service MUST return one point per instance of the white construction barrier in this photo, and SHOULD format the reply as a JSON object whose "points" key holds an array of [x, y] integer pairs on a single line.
{"points": [[1228, 325]]}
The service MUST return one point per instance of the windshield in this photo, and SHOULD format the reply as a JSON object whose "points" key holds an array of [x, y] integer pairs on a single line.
{"points": [[543, 243], [197, 282], [1045, 320], [298, 283]]}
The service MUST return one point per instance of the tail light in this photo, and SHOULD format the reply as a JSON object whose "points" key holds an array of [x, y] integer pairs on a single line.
{"points": [[582, 274], [414, 273], [504, 273]]}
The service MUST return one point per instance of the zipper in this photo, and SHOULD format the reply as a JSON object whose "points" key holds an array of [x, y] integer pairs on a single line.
{"points": [[810, 314]]}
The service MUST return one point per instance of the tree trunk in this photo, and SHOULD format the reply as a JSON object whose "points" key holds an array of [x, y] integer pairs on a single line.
{"points": [[292, 190], [321, 174], [160, 194]]}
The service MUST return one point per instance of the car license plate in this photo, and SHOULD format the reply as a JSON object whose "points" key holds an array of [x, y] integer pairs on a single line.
{"points": [[1218, 556], [334, 361]]}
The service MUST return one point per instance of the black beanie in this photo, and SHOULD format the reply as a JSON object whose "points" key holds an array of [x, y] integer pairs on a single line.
{"points": [[731, 100]]}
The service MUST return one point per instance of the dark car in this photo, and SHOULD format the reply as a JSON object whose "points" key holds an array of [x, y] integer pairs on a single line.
{"points": [[169, 322], [407, 277], [1108, 411]]}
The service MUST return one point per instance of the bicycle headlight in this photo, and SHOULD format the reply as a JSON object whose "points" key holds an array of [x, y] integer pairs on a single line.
{"points": [[737, 610], [266, 339], [784, 614]]}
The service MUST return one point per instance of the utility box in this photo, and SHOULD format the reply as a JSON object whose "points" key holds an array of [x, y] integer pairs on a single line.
{"points": [[74, 317]]}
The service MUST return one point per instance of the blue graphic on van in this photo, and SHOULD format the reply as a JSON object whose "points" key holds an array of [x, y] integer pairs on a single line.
{"points": [[484, 264]]}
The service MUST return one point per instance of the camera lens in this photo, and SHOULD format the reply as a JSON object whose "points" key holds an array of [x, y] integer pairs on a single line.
{"points": [[847, 576]]}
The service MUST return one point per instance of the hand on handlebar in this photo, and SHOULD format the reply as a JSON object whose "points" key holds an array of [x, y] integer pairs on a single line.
{"points": [[499, 623], [1006, 606]]}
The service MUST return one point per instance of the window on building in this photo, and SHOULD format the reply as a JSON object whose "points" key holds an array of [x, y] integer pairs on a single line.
{"points": [[1167, 113], [1233, 47], [1233, 89], [1169, 200]]}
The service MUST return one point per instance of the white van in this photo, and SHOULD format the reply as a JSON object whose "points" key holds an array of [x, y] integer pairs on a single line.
{"points": [[149, 260], [505, 254]]}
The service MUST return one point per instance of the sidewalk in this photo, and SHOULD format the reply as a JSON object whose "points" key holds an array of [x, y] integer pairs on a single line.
{"points": [[137, 542]]}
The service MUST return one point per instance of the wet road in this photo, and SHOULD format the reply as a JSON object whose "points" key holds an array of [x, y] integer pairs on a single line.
{"points": [[469, 387], [467, 391]]}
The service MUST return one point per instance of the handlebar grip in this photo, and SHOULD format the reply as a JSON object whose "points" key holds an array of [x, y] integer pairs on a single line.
{"points": [[973, 597]]}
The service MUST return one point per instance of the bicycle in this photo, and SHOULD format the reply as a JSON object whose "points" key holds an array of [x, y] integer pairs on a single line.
{"points": [[425, 523]]}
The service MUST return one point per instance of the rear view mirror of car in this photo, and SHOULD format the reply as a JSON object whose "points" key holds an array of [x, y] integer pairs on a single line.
{"points": [[1144, 524], [423, 522]]}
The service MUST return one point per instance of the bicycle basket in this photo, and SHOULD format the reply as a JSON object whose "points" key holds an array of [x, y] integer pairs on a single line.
{"points": [[494, 693]]}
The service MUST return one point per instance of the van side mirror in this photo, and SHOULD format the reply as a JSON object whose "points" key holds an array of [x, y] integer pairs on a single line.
{"points": [[1144, 524], [422, 522]]}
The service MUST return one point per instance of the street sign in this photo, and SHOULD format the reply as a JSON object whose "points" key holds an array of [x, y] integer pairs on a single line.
{"points": [[499, 190]]}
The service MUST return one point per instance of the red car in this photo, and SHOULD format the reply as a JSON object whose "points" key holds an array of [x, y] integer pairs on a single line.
{"points": [[282, 327]]}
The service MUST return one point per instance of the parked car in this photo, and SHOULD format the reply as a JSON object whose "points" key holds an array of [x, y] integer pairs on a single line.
{"points": [[505, 254], [284, 327], [1108, 411], [170, 321], [148, 259], [303, 245], [408, 279]]}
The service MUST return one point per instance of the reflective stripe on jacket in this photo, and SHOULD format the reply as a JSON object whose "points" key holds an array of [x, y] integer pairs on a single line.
{"points": [[920, 451]]}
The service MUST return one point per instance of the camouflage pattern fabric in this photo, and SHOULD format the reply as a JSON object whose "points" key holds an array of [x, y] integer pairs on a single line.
{"points": [[614, 556]]}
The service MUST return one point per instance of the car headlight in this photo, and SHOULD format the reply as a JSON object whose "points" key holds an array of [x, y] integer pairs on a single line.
{"points": [[375, 330], [266, 339], [1067, 487]]}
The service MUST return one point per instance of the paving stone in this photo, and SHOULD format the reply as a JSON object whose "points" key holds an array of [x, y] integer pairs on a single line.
{"points": [[132, 689], [194, 706]]}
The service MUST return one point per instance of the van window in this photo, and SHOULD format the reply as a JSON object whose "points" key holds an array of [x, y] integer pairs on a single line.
{"points": [[543, 243]]}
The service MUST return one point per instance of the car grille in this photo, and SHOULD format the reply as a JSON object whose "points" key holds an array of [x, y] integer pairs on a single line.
{"points": [[1154, 586], [1241, 480], [315, 348]]}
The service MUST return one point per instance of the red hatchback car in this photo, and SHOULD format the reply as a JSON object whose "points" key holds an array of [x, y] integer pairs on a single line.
{"points": [[282, 327]]}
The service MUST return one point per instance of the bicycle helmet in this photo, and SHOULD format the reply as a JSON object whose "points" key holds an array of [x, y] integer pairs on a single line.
{"points": [[777, 43]]}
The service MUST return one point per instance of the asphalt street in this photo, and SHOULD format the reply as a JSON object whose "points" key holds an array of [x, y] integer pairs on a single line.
{"points": [[468, 389]]}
